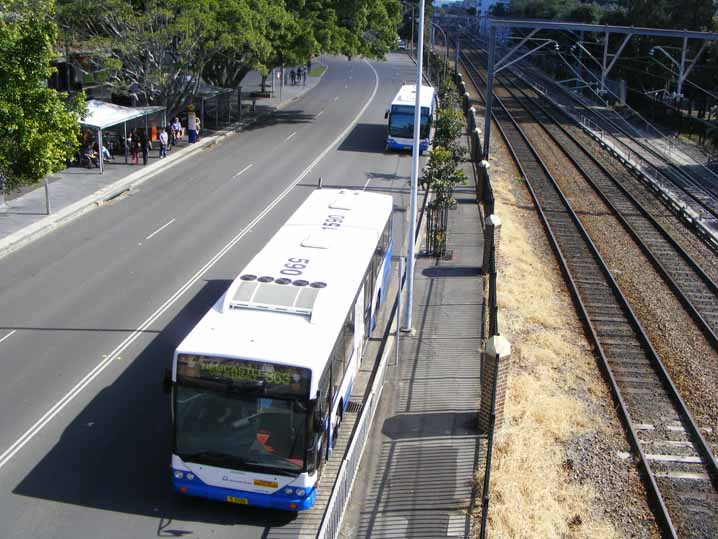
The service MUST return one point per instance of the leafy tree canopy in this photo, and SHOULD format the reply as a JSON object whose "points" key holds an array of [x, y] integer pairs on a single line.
{"points": [[162, 49], [40, 129]]}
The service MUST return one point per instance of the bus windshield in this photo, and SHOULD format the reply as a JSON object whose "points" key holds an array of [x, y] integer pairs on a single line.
{"points": [[401, 124], [239, 431]]}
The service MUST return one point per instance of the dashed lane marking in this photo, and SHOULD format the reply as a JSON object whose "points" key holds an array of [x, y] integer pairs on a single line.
{"points": [[245, 169], [55, 409], [160, 229], [9, 335]]}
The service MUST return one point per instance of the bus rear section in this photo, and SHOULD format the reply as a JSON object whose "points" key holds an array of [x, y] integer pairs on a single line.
{"points": [[400, 115]]}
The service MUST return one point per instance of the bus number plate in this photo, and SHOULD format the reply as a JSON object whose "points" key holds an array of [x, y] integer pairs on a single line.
{"points": [[240, 501]]}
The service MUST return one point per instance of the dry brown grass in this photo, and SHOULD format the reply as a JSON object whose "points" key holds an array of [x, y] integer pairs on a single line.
{"points": [[531, 496]]}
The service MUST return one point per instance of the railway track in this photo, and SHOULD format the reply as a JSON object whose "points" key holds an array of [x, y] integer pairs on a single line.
{"points": [[695, 289], [678, 469], [684, 186]]}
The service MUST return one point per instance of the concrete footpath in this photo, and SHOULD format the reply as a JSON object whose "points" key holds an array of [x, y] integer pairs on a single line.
{"points": [[416, 477], [77, 190]]}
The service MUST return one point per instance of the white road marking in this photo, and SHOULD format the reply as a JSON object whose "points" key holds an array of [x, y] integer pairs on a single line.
{"points": [[245, 169], [30, 433], [345, 86], [9, 335], [290, 136], [367, 183], [160, 229], [319, 113], [336, 98]]}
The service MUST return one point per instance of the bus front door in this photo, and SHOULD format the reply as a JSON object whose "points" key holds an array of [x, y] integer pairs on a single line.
{"points": [[359, 326]]}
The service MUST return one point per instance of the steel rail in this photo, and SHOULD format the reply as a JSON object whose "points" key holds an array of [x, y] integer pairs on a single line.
{"points": [[694, 288], [686, 182], [690, 189], [608, 318]]}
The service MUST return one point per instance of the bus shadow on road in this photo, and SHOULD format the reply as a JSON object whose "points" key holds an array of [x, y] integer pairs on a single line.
{"points": [[114, 455], [365, 138]]}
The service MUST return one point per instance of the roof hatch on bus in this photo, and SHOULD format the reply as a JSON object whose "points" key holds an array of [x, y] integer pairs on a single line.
{"points": [[273, 297], [346, 200], [319, 240]]}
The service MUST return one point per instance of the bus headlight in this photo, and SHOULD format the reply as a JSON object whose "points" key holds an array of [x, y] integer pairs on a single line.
{"points": [[178, 474], [190, 476], [288, 491], [301, 492]]}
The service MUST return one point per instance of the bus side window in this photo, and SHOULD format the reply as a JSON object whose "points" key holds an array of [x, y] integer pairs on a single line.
{"points": [[348, 333]]}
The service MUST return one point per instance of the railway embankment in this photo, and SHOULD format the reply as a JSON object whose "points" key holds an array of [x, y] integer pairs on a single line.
{"points": [[557, 469]]}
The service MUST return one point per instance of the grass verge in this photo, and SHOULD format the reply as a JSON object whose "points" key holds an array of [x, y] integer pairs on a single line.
{"points": [[553, 388]]}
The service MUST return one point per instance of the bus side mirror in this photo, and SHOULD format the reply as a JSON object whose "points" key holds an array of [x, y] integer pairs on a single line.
{"points": [[167, 382], [386, 114]]}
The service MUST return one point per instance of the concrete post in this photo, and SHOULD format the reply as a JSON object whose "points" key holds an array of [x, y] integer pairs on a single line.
{"points": [[483, 177], [494, 371], [492, 236], [476, 144], [467, 101], [472, 117]]}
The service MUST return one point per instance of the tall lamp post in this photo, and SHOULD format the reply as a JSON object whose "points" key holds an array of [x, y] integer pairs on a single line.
{"points": [[411, 6], [414, 176], [446, 51]]}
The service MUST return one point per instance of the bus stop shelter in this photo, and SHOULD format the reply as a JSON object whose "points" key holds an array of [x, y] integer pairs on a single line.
{"points": [[101, 115]]}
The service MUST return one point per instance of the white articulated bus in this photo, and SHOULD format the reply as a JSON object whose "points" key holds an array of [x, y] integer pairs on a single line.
{"points": [[400, 127], [260, 384]]}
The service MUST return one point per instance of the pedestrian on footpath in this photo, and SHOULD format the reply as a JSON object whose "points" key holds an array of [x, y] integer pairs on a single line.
{"points": [[176, 130], [304, 76], [145, 146], [164, 140], [293, 76], [133, 142]]}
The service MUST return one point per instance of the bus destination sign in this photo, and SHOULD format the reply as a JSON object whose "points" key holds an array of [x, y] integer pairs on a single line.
{"points": [[279, 378]]}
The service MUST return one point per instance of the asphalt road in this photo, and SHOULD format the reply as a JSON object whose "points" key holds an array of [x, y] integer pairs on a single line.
{"points": [[91, 313]]}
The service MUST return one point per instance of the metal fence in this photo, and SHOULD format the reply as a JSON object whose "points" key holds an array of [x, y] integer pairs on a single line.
{"points": [[332, 519], [219, 110], [492, 228]]}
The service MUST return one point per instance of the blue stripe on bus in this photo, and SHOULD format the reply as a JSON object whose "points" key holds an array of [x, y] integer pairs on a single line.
{"points": [[278, 500], [423, 145]]}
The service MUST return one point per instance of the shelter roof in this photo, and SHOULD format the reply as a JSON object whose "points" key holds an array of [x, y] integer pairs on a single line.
{"points": [[101, 115]]}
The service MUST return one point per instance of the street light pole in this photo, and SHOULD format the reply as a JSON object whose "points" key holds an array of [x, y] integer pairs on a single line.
{"points": [[446, 51], [414, 176]]}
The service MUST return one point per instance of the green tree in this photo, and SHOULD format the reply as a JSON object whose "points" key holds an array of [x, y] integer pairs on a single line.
{"points": [[450, 125], [247, 31], [442, 174], [154, 49], [40, 126], [161, 50]]}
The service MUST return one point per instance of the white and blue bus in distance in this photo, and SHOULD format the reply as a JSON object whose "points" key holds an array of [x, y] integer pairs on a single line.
{"points": [[260, 384], [400, 127]]}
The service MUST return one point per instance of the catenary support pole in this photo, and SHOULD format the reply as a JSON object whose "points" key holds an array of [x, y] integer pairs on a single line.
{"points": [[604, 64], [414, 176], [458, 49], [681, 74], [489, 90]]}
